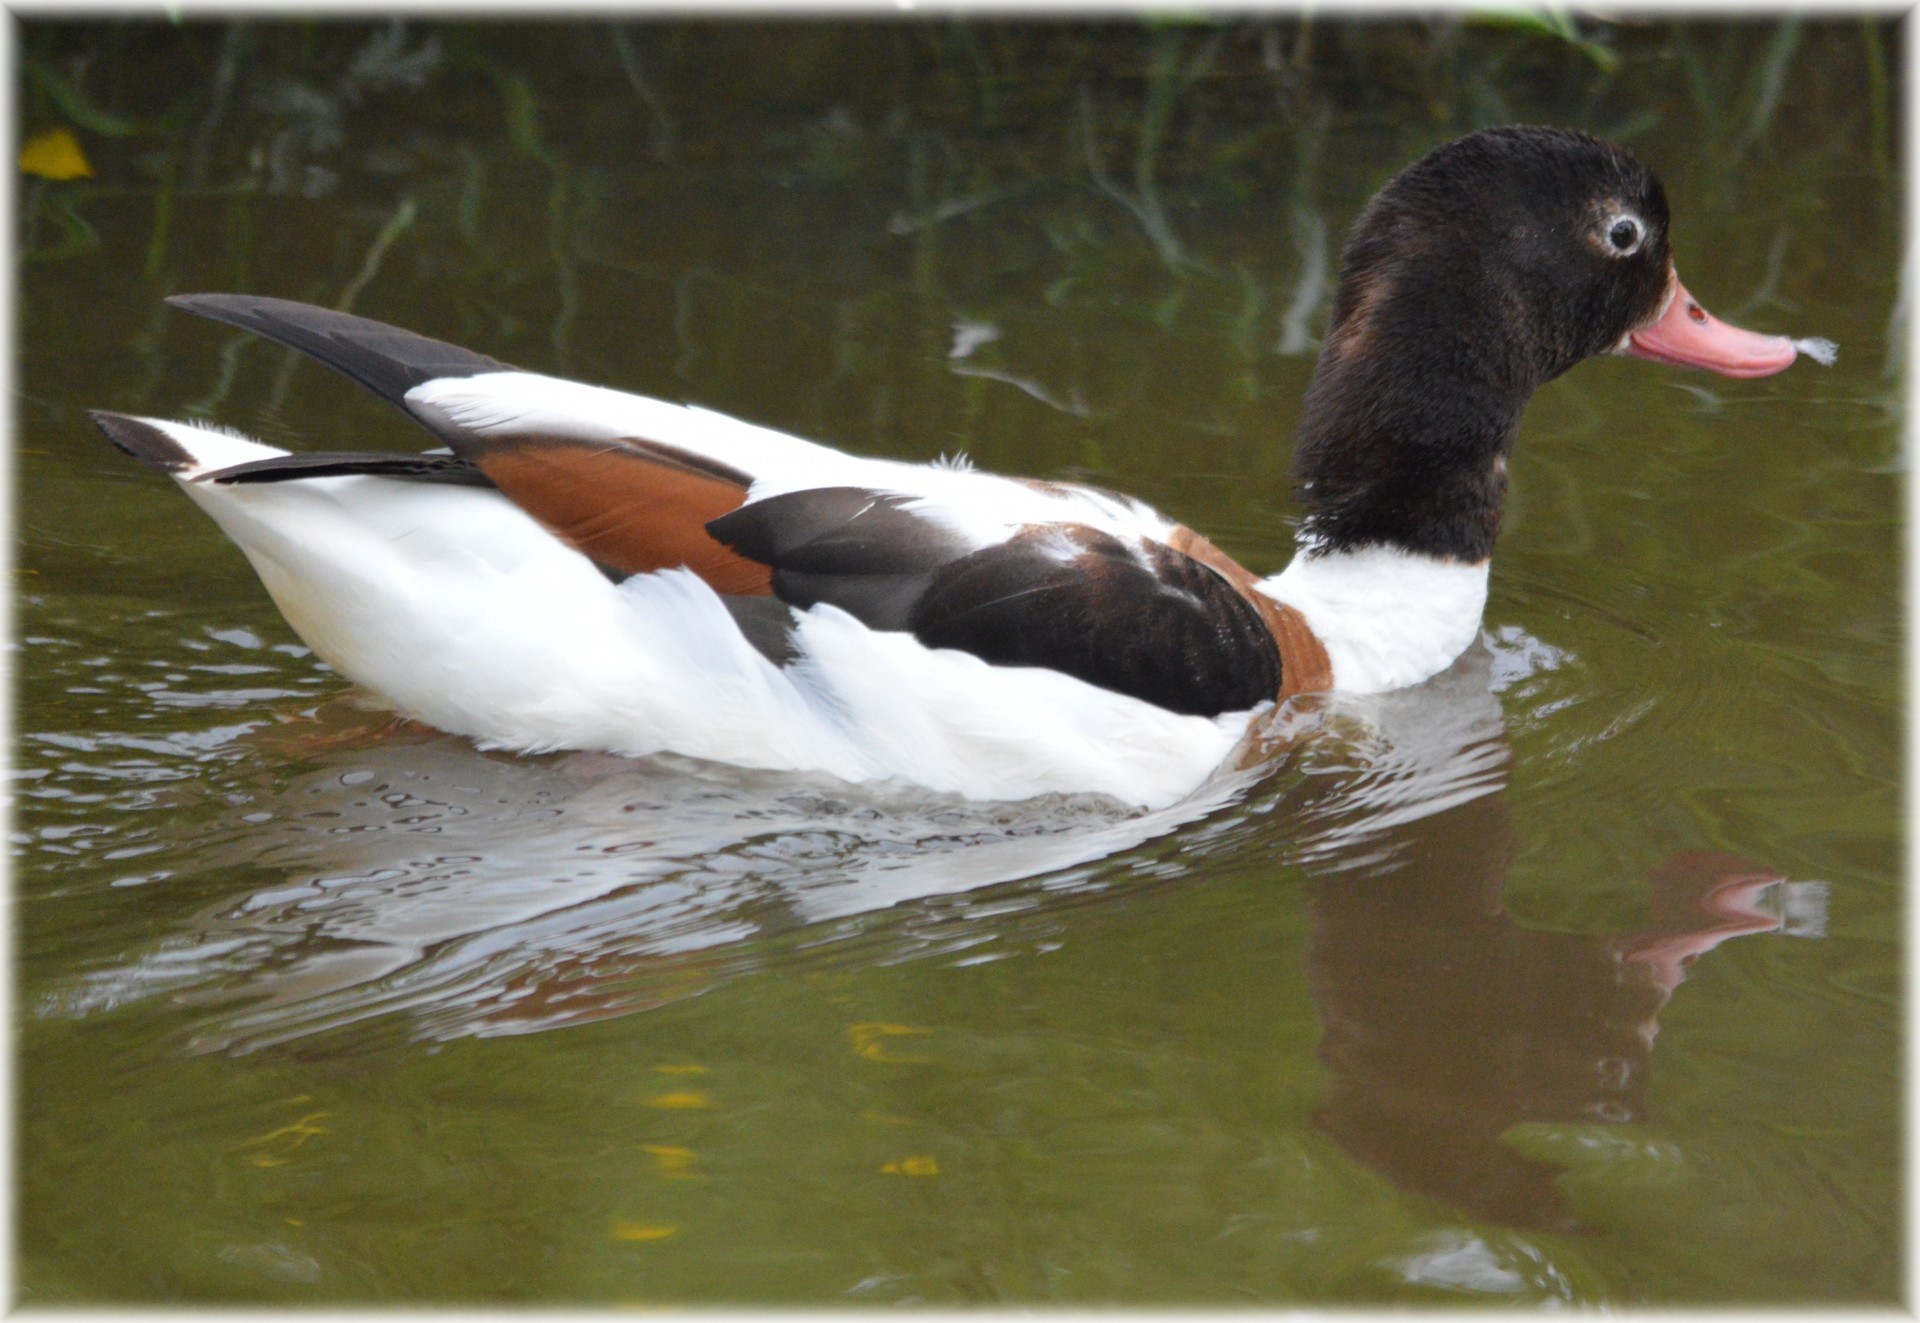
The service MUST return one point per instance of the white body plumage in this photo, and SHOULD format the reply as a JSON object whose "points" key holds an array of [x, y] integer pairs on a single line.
{"points": [[465, 613]]}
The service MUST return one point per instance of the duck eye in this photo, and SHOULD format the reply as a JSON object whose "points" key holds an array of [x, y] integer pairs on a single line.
{"points": [[1624, 234]]}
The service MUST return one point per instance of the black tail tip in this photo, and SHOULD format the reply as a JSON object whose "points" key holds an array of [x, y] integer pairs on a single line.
{"points": [[246, 311], [143, 441], [198, 302]]}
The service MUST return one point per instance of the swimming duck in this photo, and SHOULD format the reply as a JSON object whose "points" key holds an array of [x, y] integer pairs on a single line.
{"points": [[582, 568]]}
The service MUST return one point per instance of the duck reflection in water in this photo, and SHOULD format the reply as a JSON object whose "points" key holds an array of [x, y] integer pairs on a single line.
{"points": [[1445, 1024], [446, 893]]}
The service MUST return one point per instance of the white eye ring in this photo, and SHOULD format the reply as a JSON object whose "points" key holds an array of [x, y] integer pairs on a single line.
{"points": [[1624, 235]]}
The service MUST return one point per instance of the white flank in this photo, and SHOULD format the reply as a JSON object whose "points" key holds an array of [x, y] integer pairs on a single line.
{"points": [[1386, 617], [981, 507], [509, 403], [463, 612]]}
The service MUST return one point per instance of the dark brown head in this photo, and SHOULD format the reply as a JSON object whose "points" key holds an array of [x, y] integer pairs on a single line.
{"points": [[1480, 272]]}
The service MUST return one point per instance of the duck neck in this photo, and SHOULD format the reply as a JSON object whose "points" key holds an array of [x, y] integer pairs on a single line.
{"points": [[1408, 450], [1403, 476]]}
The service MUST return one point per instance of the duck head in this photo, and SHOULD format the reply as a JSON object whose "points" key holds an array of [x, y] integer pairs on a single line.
{"points": [[1479, 273]]}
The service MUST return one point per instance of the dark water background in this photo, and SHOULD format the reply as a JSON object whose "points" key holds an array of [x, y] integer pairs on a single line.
{"points": [[311, 1011]]}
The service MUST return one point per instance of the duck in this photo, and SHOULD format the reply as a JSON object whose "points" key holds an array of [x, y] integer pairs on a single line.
{"points": [[579, 568]]}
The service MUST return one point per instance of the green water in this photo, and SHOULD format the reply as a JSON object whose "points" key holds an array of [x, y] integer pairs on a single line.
{"points": [[313, 1011]]}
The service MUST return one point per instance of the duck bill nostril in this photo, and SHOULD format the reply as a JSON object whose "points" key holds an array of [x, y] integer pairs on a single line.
{"points": [[1687, 335]]}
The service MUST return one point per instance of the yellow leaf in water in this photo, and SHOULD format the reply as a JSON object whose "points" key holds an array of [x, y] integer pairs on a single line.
{"points": [[867, 1042], [688, 1069], [55, 154], [669, 1157], [914, 1166], [685, 1100], [641, 1231]]}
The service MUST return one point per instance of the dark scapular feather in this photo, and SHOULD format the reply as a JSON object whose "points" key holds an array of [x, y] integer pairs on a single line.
{"points": [[853, 548], [1156, 625], [1138, 618]]}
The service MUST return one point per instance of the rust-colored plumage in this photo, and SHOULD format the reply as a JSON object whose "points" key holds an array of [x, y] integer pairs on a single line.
{"points": [[1304, 667], [630, 506]]}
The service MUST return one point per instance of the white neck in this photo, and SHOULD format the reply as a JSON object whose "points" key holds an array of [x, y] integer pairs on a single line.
{"points": [[1387, 618]]}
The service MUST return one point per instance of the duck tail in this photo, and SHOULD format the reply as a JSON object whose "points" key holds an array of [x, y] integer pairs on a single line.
{"points": [[182, 449]]}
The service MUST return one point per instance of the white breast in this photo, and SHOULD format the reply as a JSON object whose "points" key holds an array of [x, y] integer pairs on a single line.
{"points": [[1387, 617]]}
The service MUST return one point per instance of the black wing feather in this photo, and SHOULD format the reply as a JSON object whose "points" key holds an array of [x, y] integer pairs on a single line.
{"points": [[448, 469], [1142, 620], [390, 362], [385, 359], [1137, 617], [854, 548]]}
